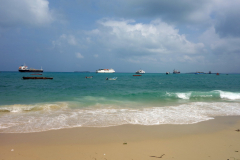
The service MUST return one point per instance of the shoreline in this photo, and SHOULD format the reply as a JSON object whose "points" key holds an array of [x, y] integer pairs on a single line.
{"points": [[214, 139]]}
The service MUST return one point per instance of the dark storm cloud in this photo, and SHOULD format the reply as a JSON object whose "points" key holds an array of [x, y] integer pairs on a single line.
{"points": [[228, 24], [169, 10]]}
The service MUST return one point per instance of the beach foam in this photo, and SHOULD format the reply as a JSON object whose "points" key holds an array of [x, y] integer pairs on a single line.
{"points": [[111, 115], [229, 95]]}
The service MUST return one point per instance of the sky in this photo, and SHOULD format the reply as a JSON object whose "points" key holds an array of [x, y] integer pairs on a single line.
{"points": [[126, 35]]}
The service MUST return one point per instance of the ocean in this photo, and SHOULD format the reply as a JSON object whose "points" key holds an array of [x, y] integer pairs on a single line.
{"points": [[70, 100]]}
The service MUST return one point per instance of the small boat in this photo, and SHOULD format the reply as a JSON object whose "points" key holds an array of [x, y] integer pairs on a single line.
{"points": [[37, 78], [137, 75], [114, 78], [140, 71], [89, 77], [217, 74], [167, 72]]}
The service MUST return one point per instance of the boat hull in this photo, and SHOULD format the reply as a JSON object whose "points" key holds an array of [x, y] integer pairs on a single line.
{"points": [[37, 78], [29, 70], [104, 72]]}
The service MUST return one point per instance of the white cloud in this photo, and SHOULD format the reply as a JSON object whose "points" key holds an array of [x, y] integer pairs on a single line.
{"points": [[71, 40], [25, 12], [79, 55], [218, 44], [156, 37], [140, 43], [65, 39]]}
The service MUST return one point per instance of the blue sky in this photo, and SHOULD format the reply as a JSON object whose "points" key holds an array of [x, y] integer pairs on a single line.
{"points": [[154, 35]]}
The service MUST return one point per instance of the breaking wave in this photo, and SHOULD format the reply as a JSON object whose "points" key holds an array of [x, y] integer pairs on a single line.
{"points": [[44, 117], [206, 95], [35, 107]]}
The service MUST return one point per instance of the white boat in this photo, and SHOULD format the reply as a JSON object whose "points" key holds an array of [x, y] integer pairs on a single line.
{"points": [[105, 71], [114, 78], [176, 71], [140, 72]]}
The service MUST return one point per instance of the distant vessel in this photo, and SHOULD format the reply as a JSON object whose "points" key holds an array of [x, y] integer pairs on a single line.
{"points": [[89, 77], [105, 71], [140, 72], [199, 73], [167, 72], [176, 71], [37, 78], [24, 68], [137, 75]]}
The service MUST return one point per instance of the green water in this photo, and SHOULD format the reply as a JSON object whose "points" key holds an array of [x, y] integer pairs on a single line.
{"points": [[150, 99]]}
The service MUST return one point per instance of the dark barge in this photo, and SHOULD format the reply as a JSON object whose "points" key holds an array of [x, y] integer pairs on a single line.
{"points": [[37, 78]]}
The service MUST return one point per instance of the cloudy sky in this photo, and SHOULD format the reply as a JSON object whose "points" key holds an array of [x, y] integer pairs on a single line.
{"points": [[126, 35]]}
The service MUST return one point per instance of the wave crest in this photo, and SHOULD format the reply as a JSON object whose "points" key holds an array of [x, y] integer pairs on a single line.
{"points": [[216, 94], [34, 107], [229, 95]]}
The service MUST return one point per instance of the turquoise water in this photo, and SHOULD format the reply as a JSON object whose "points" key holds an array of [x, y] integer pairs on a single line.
{"points": [[70, 100]]}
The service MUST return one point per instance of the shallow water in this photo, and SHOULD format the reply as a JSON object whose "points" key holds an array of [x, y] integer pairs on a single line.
{"points": [[71, 100]]}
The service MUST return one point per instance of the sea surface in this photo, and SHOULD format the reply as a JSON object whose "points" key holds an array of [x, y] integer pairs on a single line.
{"points": [[70, 100]]}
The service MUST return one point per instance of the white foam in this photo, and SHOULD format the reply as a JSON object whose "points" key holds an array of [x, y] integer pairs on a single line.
{"points": [[104, 117], [184, 95], [16, 108], [229, 95]]}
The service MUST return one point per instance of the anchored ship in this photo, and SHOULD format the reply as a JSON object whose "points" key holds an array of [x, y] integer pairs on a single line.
{"points": [[140, 72], [24, 68], [176, 71], [105, 71]]}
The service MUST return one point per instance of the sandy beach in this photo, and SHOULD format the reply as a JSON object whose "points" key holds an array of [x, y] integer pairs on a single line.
{"points": [[214, 140]]}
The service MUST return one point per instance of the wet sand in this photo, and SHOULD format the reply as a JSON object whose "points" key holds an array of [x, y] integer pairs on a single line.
{"points": [[214, 140]]}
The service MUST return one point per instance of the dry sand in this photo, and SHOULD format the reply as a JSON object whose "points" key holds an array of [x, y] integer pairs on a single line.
{"points": [[212, 140]]}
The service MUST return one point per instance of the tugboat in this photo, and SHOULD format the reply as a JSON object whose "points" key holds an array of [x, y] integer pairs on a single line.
{"points": [[176, 71], [24, 68]]}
